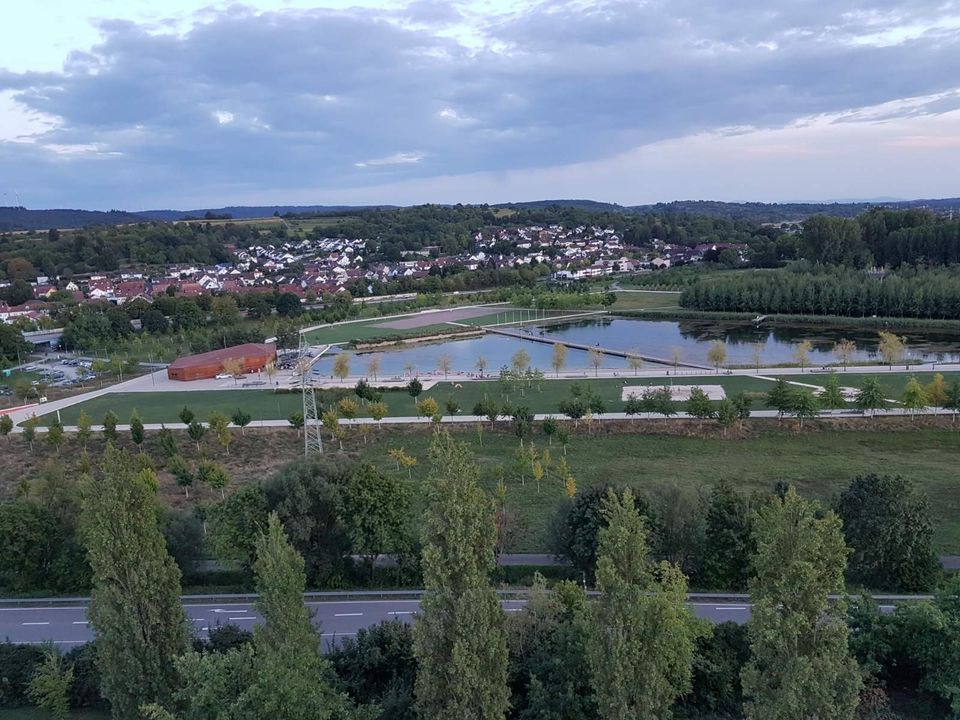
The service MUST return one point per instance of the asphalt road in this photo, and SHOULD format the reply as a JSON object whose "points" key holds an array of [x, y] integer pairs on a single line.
{"points": [[67, 626]]}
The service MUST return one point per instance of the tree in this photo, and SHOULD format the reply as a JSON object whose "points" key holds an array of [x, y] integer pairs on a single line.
{"points": [[640, 648], [559, 359], [55, 435], [234, 368], [224, 310], [936, 391], [675, 355], [635, 361], [186, 415], [801, 665], [30, 430], [891, 347], [341, 365], [296, 421], [182, 473], [444, 363], [803, 404], [288, 305], [459, 641], [831, 397], [952, 399], [728, 543], [241, 418], [914, 397], [374, 509], [595, 355], [373, 365], [402, 459], [726, 414], [219, 425], [717, 354], [886, 523], [758, 349], [414, 388], [196, 431], [110, 421], [347, 409], [742, 406], [871, 396], [378, 410], [574, 408], [6, 425], [235, 523], [801, 353], [50, 685], [214, 475], [428, 407], [84, 425], [520, 361], [136, 430], [699, 405], [481, 364], [844, 350], [134, 606], [780, 396], [549, 428]]}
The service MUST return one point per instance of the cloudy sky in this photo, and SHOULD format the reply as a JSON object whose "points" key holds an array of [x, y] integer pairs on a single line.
{"points": [[139, 104]]}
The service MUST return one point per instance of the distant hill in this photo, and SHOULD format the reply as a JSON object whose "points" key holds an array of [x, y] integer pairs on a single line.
{"points": [[588, 205], [788, 212], [19, 218], [247, 212]]}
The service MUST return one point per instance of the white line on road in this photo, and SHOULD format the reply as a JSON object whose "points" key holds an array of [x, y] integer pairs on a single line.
{"points": [[348, 615], [400, 612], [36, 623], [730, 607], [241, 618], [81, 622]]}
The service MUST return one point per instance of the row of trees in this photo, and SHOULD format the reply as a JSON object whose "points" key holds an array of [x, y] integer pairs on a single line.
{"points": [[910, 294], [635, 651]]}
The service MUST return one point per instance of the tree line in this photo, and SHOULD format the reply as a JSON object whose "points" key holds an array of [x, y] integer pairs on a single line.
{"points": [[636, 650]]}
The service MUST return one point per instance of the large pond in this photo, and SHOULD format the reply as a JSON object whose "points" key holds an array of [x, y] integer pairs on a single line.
{"points": [[654, 338]]}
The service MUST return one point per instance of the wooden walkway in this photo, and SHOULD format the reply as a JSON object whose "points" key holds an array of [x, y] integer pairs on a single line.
{"points": [[588, 348]]}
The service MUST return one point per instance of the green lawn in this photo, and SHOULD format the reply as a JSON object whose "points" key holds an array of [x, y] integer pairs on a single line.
{"points": [[819, 464], [268, 405], [369, 331], [645, 301]]}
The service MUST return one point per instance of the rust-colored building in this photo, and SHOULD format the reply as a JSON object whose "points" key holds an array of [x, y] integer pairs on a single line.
{"points": [[252, 357]]}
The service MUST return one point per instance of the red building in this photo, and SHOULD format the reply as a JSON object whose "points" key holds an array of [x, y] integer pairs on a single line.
{"points": [[251, 357]]}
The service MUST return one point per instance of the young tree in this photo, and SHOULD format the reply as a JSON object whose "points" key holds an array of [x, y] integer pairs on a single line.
{"points": [[844, 350], [428, 407], [444, 364], [6, 425], [55, 435], [270, 370], [241, 418], [549, 428], [871, 396], [635, 361], [726, 414], [459, 641], [136, 430], [374, 508], [30, 430], [804, 404], [341, 366], [891, 347], [182, 473], [595, 355], [886, 523], [331, 423], [699, 405], [801, 665], [717, 354], [742, 406], [758, 349], [520, 361], [296, 422], [234, 368], [937, 391], [728, 543], [403, 460], [914, 397], [952, 399], [676, 354], [214, 475], [641, 645], [347, 408], [378, 410], [414, 388], [110, 421], [801, 353], [373, 365], [134, 606], [84, 428], [780, 396], [831, 397], [50, 685], [559, 359], [196, 431], [220, 426], [481, 364], [186, 415]]}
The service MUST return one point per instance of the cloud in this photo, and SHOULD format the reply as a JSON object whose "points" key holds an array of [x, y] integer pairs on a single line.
{"points": [[248, 101]]}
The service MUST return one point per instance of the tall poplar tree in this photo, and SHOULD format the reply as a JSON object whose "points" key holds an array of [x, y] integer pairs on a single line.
{"points": [[641, 646], [459, 640], [134, 606], [801, 666]]}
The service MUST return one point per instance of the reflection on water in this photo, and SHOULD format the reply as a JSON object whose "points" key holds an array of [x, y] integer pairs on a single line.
{"points": [[654, 338]]}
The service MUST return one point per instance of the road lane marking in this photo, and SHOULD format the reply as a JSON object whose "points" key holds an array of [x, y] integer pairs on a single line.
{"points": [[513, 609], [336, 634], [81, 622], [348, 615], [730, 607], [241, 618], [36, 623], [400, 612]]}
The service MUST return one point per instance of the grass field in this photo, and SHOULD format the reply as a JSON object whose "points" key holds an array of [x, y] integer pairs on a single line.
{"points": [[369, 331], [645, 301], [268, 405]]}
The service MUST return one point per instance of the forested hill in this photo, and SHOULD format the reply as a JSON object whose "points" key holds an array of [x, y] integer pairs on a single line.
{"points": [[248, 212], [19, 218], [789, 212]]}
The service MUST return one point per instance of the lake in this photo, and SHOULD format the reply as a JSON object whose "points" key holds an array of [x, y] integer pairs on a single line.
{"points": [[655, 338]]}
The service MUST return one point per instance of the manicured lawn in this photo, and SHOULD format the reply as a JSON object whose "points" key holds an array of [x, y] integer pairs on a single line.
{"points": [[819, 464], [369, 331], [645, 301]]}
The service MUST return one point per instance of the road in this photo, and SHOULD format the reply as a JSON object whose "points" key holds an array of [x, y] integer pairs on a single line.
{"points": [[67, 626]]}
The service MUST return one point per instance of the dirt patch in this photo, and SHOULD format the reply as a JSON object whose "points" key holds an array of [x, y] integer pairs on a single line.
{"points": [[437, 317]]}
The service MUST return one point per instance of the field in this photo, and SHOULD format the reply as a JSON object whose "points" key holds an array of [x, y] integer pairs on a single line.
{"points": [[820, 461], [269, 405], [645, 301]]}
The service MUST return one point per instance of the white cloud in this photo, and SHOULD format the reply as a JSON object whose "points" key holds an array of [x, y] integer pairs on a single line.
{"points": [[406, 158], [223, 117]]}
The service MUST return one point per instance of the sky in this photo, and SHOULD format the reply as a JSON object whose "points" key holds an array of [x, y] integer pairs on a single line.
{"points": [[148, 104]]}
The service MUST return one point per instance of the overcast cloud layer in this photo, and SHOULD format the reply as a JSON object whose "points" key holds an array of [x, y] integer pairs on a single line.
{"points": [[441, 102]]}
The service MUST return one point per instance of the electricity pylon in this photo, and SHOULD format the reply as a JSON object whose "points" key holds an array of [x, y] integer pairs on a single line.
{"points": [[312, 442]]}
